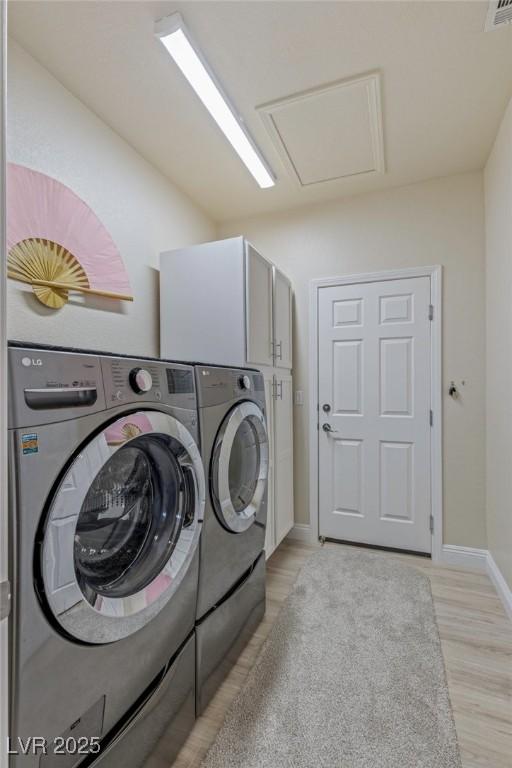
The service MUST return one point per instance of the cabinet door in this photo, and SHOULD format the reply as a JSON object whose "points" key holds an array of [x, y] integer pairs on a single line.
{"points": [[258, 292], [282, 320], [270, 534], [283, 457]]}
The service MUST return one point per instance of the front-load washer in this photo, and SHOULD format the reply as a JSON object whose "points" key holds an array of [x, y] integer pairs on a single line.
{"points": [[235, 450], [107, 493]]}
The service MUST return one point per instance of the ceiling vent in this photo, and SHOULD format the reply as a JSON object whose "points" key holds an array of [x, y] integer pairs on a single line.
{"points": [[499, 13]]}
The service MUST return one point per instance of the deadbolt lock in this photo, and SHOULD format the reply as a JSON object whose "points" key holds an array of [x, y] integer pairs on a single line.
{"points": [[326, 407]]}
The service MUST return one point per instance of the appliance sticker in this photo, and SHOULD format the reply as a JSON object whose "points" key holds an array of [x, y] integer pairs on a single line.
{"points": [[30, 443]]}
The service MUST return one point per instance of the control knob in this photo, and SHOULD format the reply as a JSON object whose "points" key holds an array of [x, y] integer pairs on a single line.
{"points": [[140, 380], [244, 382]]}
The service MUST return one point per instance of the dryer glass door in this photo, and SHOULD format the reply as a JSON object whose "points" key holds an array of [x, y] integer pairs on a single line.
{"points": [[123, 527], [240, 467]]}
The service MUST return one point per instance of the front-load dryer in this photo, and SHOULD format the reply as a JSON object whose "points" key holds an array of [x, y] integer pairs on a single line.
{"points": [[235, 450], [107, 494]]}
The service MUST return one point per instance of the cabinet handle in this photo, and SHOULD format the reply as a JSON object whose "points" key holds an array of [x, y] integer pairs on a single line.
{"points": [[277, 389]]}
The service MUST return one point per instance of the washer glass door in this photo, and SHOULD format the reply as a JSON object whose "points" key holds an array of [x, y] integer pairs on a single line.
{"points": [[123, 526], [240, 467]]}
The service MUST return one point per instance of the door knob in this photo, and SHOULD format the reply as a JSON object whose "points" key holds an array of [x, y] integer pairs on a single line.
{"points": [[328, 428]]}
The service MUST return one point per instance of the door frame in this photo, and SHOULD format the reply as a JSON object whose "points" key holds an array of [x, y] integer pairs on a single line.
{"points": [[4, 565], [436, 446]]}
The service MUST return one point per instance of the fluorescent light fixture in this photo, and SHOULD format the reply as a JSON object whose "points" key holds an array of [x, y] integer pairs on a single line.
{"points": [[174, 35]]}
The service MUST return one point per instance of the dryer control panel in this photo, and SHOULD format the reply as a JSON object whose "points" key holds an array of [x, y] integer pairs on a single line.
{"points": [[225, 385]]}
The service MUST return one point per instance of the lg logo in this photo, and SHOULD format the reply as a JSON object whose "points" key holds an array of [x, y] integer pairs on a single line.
{"points": [[28, 361]]}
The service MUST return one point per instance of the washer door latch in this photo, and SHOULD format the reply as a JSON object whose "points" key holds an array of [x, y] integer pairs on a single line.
{"points": [[5, 599]]}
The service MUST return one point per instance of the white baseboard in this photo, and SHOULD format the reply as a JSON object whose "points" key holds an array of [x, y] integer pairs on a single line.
{"points": [[502, 588], [464, 557], [479, 560], [302, 532]]}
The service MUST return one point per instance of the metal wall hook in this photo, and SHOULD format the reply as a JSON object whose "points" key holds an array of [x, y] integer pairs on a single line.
{"points": [[453, 391]]}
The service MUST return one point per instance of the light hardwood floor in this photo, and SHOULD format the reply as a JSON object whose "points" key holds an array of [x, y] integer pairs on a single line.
{"points": [[476, 637]]}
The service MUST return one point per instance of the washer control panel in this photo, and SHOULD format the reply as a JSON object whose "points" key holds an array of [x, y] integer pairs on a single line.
{"points": [[132, 381], [49, 385], [140, 380]]}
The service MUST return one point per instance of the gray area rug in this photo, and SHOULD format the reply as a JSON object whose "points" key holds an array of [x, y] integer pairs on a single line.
{"points": [[350, 676]]}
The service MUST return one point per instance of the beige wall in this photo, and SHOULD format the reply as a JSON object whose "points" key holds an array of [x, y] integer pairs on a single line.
{"points": [[51, 131], [436, 222], [498, 221]]}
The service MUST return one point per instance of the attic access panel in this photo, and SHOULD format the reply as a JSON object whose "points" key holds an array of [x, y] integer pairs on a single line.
{"points": [[330, 132]]}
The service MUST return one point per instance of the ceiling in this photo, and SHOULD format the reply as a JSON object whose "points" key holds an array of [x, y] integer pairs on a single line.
{"points": [[444, 85]]}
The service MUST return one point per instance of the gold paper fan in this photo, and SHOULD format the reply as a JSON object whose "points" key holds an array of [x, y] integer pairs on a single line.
{"points": [[130, 430], [39, 261]]}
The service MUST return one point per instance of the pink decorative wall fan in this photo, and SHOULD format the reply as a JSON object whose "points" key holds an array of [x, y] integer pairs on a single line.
{"points": [[56, 243]]}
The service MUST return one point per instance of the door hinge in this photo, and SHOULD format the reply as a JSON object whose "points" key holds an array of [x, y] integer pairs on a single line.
{"points": [[430, 311], [431, 417], [431, 523], [5, 599]]}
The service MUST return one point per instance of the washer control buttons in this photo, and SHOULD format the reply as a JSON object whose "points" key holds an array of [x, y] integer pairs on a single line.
{"points": [[244, 382], [140, 380]]}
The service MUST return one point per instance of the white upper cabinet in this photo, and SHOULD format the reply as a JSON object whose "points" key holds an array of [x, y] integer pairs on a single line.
{"points": [[222, 303], [258, 275], [202, 303], [282, 304]]}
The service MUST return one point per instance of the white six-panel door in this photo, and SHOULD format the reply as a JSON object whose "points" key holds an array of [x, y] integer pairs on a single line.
{"points": [[374, 394]]}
